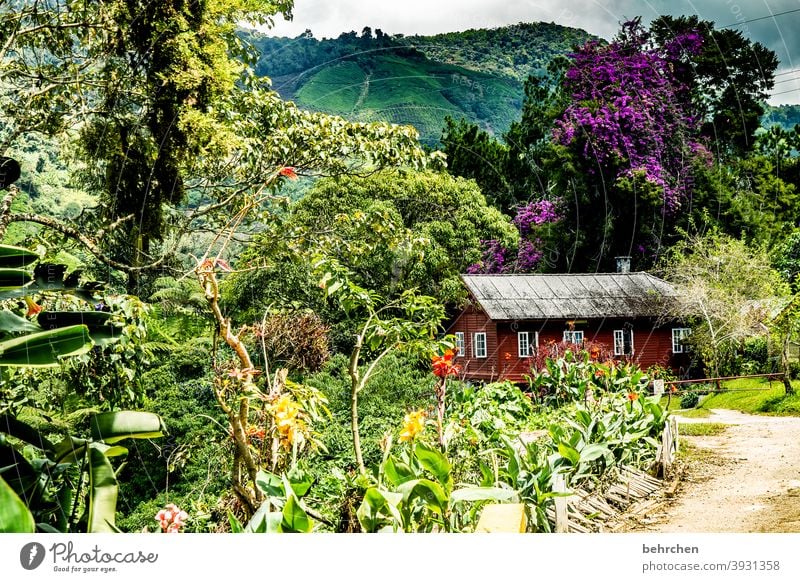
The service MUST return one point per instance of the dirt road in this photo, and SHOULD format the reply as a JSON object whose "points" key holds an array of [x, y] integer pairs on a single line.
{"points": [[746, 479]]}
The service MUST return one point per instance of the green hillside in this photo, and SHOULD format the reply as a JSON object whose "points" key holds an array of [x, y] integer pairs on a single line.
{"points": [[420, 92], [415, 80]]}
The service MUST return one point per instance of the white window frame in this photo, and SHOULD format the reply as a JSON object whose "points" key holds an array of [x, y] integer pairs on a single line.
{"points": [[461, 343], [682, 333], [570, 336], [530, 348], [619, 342], [476, 351]]}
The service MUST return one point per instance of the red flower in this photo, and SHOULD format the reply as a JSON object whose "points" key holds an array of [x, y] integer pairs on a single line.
{"points": [[288, 172], [443, 365]]}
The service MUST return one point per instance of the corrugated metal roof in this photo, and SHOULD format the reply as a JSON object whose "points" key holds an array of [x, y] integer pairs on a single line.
{"points": [[599, 295]]}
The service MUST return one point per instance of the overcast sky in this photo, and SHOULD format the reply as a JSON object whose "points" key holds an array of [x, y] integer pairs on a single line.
{"points": [[781, 33]]}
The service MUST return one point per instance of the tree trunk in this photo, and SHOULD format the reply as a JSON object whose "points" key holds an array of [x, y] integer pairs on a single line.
{"points": [[787, 382], [354, 427], [355, 386]]}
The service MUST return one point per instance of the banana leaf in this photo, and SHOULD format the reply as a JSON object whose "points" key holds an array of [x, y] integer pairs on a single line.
{"points": [[100, 330], [46, 348], [12, 323], [103, 490], [14, 515], [14, 278], [112, 427], [16, 257], [24, 432], [18, 472]]}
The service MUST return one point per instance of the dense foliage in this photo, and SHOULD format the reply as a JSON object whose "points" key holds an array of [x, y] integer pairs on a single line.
{"points": [[284, 367]]}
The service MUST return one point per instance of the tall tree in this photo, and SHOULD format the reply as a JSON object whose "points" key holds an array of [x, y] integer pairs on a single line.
{"points": [[725, 288], [729, 78], [161, 99]]}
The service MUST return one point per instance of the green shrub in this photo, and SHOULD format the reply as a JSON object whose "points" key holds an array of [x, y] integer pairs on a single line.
{"points": [[690, 400]]}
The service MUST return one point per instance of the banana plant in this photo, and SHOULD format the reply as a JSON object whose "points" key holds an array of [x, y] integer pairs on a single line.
{"points": [[415, 492], [55, 335], [282, 510], [76, 473], [52, 482], [525, 468]]}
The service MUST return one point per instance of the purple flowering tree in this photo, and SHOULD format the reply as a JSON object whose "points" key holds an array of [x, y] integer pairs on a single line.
{"points": [[531, 219], [630, 117]]}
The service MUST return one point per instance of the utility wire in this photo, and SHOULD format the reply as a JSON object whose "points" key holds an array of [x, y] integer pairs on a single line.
{"points": [[784, 92], [760, 18]]}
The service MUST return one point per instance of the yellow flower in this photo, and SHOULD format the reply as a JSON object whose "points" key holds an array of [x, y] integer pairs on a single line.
{"points": [[413, 424], [285, 411]]}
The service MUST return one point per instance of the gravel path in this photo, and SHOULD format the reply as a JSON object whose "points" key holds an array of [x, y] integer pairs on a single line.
{"points": [[751, 482]]}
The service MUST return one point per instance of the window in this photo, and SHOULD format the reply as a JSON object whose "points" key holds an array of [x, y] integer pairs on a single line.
{"points": [[527, 341], [623, 342], [573, 337], [460, 343], [479, 345], [678, 335]]}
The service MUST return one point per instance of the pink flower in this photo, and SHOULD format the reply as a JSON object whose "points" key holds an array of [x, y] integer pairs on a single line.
{"points": [[172, 518]]}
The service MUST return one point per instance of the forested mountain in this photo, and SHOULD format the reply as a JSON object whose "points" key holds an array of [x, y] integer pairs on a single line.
{"points": [[418, 80], [514, 51], [787, 116], [476, 74]]}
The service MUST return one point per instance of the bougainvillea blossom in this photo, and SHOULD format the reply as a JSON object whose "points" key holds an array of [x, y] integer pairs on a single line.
{"points": [[629, 113]]}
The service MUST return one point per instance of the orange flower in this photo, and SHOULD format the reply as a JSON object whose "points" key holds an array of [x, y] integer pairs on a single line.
{"points": [[443, 365], [633, 396], [256, 432], [288, 172], [33, 308]]}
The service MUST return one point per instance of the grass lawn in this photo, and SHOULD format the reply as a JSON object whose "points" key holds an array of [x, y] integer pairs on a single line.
{"points": [[673, 404], [702, 428], [753, 395]]}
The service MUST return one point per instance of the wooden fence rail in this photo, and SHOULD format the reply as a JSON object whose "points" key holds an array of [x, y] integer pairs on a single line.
{"points": [[717, 381]]}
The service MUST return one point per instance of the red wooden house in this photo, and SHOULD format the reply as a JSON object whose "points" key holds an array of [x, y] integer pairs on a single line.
{"points": [[510, 317]]}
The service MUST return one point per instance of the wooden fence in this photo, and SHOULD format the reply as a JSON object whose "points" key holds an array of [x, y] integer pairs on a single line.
{"points": [[718, 381]]}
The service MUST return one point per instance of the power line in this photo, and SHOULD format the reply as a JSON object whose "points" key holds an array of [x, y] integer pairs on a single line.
{"points": [[787, 72], [787, 80], [784, 92], [761, 18]]}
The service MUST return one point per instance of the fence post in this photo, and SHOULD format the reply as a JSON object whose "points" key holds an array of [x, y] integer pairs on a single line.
{"points": [[667, 444], [562, 517]]}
